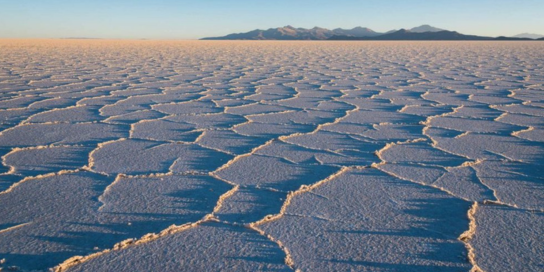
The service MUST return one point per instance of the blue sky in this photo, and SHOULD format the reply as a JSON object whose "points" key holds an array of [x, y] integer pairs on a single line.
{"points": [[183, 19]]}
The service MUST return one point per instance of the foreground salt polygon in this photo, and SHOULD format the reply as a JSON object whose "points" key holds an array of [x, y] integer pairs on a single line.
{"points": [[251, 156]]}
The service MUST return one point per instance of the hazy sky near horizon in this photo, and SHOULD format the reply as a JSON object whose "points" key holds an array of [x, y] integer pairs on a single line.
{"points": [[184, 19]]}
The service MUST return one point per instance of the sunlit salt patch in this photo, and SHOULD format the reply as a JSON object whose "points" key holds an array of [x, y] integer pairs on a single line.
{"points": [[380, 116], [256, 109], [335, 106], [301, 155], [165, 130], [233, 102], [420, 153], [368, 104], [474, 125], [75, 93], [397, 224], [345, 82], [210, 121], [488, 146], [128, 92], [275, 80], [169, 98], [64, 133], [33, 162], [393, 132], [185, 76], [218, 90], [512, 79], [493, 99], [311, 117], [274, 173], [347, 128], [522, 109], [229, 141], [427, 110], [425, 174], [277, 90], [477, 112], [181, 89], [134, 117], [300, 102], [268, 130], [72, 114], [266, 97], [324, 94], [191, 107], [508, 239], [143, 102], [125, 106], [400, 95], [324, 140], [100, 101], [139, 157], [514, 183], [464, 183], [53, 103], [215, 79], [526, 94], [521, 120], [410, 102], [393, 80], [364, 91], [450, 98], [207, 247], [53, 83]]}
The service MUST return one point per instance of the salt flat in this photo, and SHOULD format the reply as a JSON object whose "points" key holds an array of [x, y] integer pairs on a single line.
{"points": [[271, 156]]}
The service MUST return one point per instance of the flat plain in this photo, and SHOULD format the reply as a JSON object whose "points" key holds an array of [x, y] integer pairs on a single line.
{"points": [[271, 156]]}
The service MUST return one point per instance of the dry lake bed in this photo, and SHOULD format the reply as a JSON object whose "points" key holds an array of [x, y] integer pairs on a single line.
{"points": [[271, 156]]}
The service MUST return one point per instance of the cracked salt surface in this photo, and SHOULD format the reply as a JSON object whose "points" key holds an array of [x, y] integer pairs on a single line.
{"points": [[292, 156]]}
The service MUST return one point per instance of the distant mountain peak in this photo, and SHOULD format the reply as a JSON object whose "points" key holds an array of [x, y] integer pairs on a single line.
{"points": [[529, 36], [425, 28]]}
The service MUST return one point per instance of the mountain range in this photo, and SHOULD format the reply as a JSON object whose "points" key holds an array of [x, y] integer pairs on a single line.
{"points": [[292, 33], [529, 36], [424, 32]]}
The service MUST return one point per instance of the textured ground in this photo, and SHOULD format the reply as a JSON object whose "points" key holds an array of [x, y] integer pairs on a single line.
{"points": [[282, 156]]}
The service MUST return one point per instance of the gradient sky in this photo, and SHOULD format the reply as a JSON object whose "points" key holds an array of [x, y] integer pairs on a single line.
{"points": [[184, 19]]}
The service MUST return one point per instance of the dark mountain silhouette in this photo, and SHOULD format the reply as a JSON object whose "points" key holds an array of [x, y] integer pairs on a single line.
{"points": [[356, 32], [424, 32], [503, 38], [404, 34], [292, 33]]}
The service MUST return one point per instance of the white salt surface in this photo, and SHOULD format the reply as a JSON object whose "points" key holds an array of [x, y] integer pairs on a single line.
{"points": [[271, 156]]}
